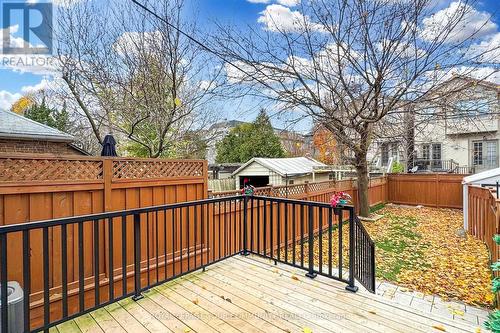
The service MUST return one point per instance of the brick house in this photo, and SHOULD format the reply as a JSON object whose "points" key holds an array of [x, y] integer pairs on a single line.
{"points": [[22, 135]]}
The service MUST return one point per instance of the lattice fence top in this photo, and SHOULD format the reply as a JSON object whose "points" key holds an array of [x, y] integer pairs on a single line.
{"points": [[149, 169], [315, 187], [24, 169]]}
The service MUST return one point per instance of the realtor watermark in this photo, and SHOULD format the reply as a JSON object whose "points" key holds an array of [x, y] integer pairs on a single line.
{"points": [[35, 22]]}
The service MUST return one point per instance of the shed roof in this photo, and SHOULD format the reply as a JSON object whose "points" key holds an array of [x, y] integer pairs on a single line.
{"points": [[285, 166], [14, 126], [478, 177]]}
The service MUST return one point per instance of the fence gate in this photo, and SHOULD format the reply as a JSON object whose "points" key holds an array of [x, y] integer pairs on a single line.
{"points": [[364, 256]]}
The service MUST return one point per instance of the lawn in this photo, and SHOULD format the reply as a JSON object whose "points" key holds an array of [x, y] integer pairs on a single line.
{"points": [[419, 248]]}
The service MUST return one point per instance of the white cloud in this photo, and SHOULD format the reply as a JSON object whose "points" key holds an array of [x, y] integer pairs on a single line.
{"points": [[44, 84], [14, 41], [280, 18], [289, 3], [487, 51], [473, 24], [7, 99], [133, 41]]}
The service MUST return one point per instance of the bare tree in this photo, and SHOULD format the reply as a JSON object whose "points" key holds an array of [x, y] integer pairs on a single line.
{"points": [[350, 63], [134, 76]]}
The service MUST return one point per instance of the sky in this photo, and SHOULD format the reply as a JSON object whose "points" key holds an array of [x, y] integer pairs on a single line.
{"points": [[17, 80]]}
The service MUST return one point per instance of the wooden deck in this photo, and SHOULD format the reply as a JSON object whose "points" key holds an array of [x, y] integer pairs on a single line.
{"points": [[250, 294]]}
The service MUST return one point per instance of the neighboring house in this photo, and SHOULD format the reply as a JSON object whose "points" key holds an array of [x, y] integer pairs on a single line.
{"points": [[281, 171], [294, 143], [222, 171], [459, 128], [22, 135]]}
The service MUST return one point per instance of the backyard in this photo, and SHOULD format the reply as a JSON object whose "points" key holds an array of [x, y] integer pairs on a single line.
{"points": [[422, 250]]}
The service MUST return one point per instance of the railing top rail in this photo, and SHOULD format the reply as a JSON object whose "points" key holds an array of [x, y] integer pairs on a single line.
{"points": [[302, 202], [100, 216]]}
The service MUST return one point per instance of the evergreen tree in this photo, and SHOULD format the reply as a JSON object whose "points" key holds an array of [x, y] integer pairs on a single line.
{"points": [[250, 140], [49, 116]]}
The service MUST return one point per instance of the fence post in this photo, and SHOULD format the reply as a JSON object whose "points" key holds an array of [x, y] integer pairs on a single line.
{"points": [[352, 244], [310, 238], [306, 189], [137, 257], [245, 226]]}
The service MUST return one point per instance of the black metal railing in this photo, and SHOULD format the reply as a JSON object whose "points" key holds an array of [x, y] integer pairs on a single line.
{"points": [[364, 256], [445, 166], [303, 234], [88, 262]]}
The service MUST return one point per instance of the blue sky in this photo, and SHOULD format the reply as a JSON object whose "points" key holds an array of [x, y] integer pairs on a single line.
{"points": [[14, 83]]}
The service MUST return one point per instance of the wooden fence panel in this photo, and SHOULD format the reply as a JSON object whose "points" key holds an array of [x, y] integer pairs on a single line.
{"points": [[484, 217], [434, 190], [34, 188]]}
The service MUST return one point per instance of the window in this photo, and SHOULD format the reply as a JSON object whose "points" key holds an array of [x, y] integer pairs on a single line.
{"points": [[485, 153], [475, 107], [394, 151], [491, 153], [426, 152], [477, 153], [436, 151], [385, 153], [331, 176]]}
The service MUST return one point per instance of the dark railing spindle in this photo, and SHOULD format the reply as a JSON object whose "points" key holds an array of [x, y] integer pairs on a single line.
{"points": [[330, 236], [124, 256], [111, 270], [81, 272], [3, 282], [320, 242], [27, 280], [96, 263], [351, 286], [137, 257], [310, 238], [46, 286], [188, 236], [286, 232], [340, 254], [294, 236], [302, 235]]}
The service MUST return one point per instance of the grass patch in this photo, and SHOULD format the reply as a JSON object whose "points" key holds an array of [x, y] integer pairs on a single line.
{"points": [[377, 207]]}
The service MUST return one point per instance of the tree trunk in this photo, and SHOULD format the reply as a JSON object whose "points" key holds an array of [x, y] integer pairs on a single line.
{"points": [[362, 174], [410, 139]]}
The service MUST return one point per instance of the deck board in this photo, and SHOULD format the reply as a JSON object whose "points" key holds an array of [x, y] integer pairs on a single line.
{"points": [[251, 294]]}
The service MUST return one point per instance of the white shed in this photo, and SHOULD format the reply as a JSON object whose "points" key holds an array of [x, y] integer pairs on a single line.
{"points": [[280, 171], [488, 177]]}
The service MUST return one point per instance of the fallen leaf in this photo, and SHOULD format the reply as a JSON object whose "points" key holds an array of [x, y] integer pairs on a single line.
{"points": [[306, 330], [295, 278], [196, 301], [439, 328], [372, 312]]}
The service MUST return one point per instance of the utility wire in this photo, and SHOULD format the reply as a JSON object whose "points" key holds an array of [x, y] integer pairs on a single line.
{"points": [[193, 39]]}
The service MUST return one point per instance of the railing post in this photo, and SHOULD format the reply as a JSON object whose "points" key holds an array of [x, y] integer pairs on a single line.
{"points": [[245, 251], [352, 244], [137, 257], [310, 238]]}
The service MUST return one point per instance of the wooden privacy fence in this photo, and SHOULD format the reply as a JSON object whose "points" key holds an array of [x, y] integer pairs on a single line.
{"points": [[484, 217], [433, 189], [44, 188]]}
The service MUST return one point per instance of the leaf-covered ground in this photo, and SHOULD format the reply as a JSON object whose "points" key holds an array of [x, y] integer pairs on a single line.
{"points": [[419, 248]]}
